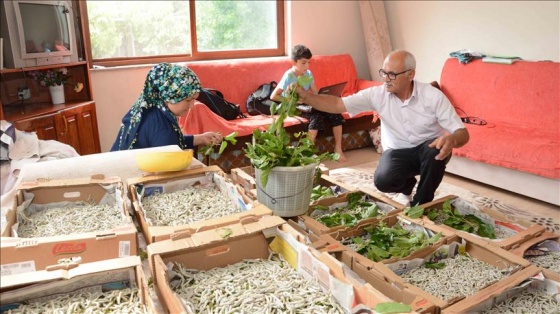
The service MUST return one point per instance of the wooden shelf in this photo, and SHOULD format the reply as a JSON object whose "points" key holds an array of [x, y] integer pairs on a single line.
{"points": [[43, 67], [26, 111]]}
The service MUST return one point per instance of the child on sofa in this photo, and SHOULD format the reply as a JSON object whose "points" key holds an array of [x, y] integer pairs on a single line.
{"points": [[301, 58]]}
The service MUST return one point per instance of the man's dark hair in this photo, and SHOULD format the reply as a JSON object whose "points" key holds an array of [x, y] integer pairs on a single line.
{"points": [[301, 52]]}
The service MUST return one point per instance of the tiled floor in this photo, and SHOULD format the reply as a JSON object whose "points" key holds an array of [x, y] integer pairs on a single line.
{"points": [[366, 159]]}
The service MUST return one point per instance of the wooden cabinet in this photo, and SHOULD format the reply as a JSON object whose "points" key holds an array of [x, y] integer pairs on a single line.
{"points": [[45, 126], [75, 125]]}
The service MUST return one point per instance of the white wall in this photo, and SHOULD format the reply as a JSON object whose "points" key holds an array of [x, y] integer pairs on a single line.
{"points": [[114, 92], [433, 29], [429, 29], [328, 27]]}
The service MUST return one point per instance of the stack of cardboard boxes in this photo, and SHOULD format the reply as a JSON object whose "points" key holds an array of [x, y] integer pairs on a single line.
{"points": [[96, 261], [383, 276], [36, 268]]}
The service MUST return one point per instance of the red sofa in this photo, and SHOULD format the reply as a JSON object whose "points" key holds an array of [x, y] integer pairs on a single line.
{"points": [[518, 148], [237, 79]]}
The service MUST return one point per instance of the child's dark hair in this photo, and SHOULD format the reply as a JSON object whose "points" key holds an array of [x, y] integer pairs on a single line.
{"points": [[301, 52]]}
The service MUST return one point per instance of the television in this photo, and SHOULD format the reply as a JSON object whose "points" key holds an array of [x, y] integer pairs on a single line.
{"points": [[37, 33]]}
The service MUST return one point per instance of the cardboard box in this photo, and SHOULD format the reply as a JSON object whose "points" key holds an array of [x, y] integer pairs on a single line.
{"points": [[475, 248], [324, 169], [373, 192], [331, 242], [179, 180], [250, 240], [375, 284], [244, 176], [543, 279], [541, 245], [96, 276], [327, 180], [524, 230], [521, 249], [338, 188], [19, 255], [310, 224]]}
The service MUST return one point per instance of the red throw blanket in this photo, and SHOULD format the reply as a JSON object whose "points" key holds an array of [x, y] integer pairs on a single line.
{"points": [[201, 119], [521, 106]]}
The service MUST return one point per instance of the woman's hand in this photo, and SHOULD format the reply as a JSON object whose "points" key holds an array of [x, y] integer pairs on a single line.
{"points": [[215, 139], [208, 138]]}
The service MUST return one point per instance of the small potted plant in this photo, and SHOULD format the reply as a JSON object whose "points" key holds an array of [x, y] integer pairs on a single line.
{"points": [[285, 169]]}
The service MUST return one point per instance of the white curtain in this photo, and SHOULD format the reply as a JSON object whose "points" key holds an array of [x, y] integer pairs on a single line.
{"points": [[376, 33]]}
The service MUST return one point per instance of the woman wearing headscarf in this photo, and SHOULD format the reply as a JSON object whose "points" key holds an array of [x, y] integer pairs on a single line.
{"points": [[169, 92]]}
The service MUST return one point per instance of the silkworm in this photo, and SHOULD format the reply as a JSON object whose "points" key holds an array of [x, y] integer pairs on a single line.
{"points": [[251, 286], [79, 217], [527, 301], [549, 260], [116, 301], [187, 206], [502, 232], [462, 276]]}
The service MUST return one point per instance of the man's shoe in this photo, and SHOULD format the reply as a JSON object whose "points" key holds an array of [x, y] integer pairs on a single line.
{"points": [[403, 199]]}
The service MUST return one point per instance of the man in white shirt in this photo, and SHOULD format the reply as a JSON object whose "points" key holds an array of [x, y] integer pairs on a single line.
{"points": [[419, 127]]}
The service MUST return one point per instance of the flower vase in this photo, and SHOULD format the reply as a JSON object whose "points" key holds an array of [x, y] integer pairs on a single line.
{"points": [[57, 94]]}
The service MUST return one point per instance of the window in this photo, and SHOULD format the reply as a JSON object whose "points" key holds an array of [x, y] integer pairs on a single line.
{"points": [[136, 32]]}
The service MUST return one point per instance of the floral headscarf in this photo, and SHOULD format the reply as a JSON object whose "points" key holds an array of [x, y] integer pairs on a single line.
{"points": [[165, 83]]}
